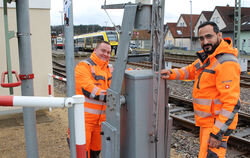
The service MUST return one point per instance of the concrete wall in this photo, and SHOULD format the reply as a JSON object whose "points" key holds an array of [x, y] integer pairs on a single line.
{"points": [[40, 45]]}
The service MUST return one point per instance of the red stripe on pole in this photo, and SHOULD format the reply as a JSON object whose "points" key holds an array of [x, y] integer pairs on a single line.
{"points": [[81, 151], [49, 89], [6, 100]]}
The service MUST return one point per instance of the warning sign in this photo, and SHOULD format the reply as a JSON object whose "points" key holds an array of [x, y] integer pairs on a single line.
{"points": [[67, 4]]}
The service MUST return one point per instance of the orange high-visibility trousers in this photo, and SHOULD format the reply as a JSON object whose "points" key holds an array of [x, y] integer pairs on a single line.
{"points": [[207, 152], [93, 137]]}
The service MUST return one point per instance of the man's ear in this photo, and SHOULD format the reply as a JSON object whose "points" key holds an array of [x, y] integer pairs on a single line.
{"points": [[220, 35]]}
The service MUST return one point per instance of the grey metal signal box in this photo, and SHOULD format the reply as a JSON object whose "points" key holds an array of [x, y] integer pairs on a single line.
{"points": [[136, 119]]}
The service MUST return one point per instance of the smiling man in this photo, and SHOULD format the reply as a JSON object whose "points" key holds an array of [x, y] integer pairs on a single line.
{"points": [[216, 89], [93, 78]]}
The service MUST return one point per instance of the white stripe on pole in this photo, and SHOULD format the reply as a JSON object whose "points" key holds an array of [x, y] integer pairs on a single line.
{"points": [[58, 77], [30, 101], [79, 120]]}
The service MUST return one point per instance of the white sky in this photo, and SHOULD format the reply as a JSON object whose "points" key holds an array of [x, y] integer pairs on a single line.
{"points": [[87, 12]]}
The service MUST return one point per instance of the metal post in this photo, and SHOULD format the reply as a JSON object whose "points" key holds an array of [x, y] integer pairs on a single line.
{"points": [[69, 55], [191, 27], [157, 44], [25, 61], [237, 24], [8, 35]]}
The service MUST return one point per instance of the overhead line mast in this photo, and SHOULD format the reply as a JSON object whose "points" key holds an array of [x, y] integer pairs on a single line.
{"points": [[237, 23], [157, 42]]}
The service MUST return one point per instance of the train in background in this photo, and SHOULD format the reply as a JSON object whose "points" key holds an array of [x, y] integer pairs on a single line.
{"points": [[87, 42], [59, 42]]}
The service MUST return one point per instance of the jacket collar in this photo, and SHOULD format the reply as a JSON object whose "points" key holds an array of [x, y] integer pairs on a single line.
{"points": [[98, 61]]}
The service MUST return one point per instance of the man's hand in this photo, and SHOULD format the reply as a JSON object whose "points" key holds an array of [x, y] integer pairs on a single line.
{"points": [[165, 74], [213, 143]]}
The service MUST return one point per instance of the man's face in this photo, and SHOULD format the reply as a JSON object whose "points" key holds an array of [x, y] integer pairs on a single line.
{"points": [[103, 51], [209, 39]]}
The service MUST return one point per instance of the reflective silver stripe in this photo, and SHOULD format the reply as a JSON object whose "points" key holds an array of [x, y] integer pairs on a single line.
{"points": [[186, 72], [92, 101], [202, 101], [94, 91], [215, 64], [197, 65], [177, 74], [227, 57], [217, 101], [225, 113], [220, 125], [93, 71], [201, 113], [85, 61], [101, 97], [217, 112], [93, 111], [223, 144]]}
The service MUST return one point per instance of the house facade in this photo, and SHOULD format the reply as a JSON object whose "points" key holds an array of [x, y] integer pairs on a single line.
{"points": [[179, 34], [223, 16], [244, 35]]}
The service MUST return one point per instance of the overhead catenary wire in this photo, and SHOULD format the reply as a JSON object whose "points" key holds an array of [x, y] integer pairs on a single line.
{"points": [[110, 18]]}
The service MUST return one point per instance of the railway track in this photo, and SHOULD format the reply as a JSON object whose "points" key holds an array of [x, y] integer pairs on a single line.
{"points": [[59, 69], [183, 115]]}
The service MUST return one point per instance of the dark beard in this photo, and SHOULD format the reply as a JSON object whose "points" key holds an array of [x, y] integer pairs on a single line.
{"points": [[209, 52]]}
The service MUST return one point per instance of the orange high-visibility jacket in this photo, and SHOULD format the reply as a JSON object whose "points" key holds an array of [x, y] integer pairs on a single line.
{"points": [[216, 88], [92, 79]]}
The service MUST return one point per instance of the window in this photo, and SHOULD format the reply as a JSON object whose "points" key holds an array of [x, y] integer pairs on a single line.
{"points": [[179, 32], [244, 23], [112, 35], [88, 40], [217, 20], [169, 34], [80, 39]]}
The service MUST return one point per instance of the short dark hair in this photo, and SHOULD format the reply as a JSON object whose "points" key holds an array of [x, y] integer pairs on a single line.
{"points": [[215, 26], [100, 42]]}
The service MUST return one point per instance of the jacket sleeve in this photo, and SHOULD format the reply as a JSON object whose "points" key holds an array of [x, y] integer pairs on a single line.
{"points": [[228, 85], [86, 84], [184, 73]]}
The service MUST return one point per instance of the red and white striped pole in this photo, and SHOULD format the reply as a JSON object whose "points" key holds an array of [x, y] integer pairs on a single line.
{"points": [[31, 101], [50, 76], [49, 81], [80, 135], [58, 77], [77, 101]]}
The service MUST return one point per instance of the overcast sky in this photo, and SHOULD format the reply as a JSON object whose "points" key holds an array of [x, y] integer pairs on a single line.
{"points": [[87, 12]]}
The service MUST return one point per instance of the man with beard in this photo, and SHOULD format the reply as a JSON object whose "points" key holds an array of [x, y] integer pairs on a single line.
{"points": [[216, 89]]}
